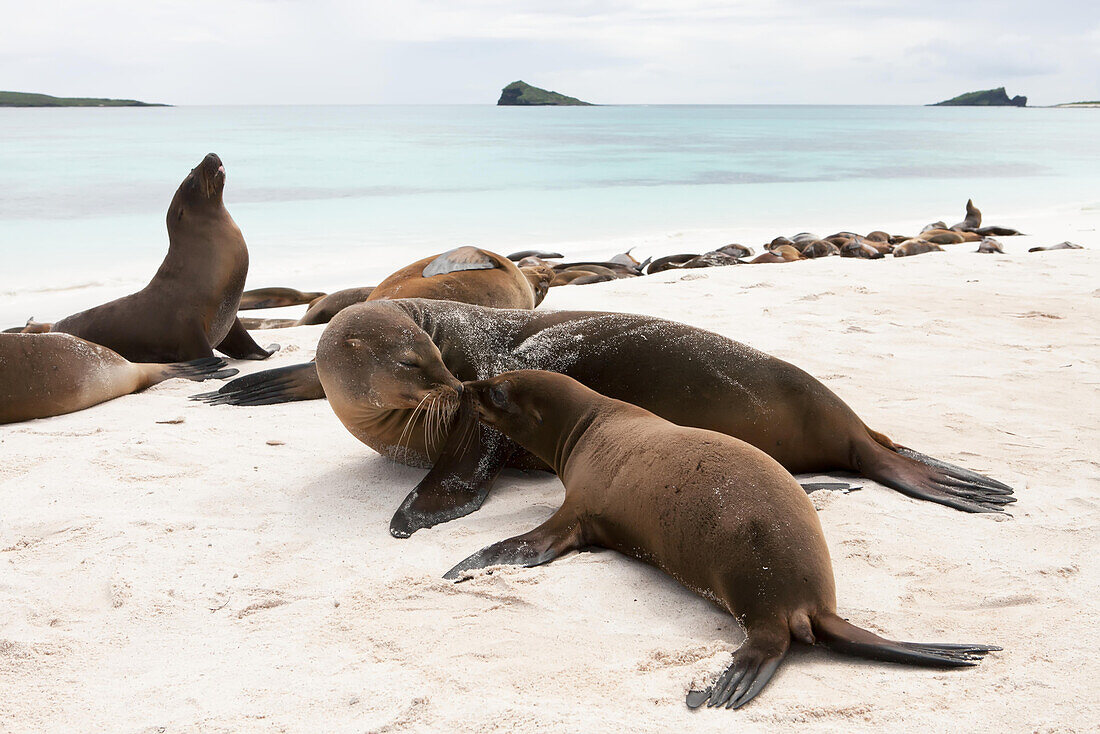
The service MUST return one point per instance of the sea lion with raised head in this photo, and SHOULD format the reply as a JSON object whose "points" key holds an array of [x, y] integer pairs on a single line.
{"points": [[276, 297], [972, 221], [718, 515], [49, 374], [189, 308], [718, 384]]}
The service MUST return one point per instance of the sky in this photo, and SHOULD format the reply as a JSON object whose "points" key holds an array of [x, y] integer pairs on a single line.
{"points": [[611, 51]]}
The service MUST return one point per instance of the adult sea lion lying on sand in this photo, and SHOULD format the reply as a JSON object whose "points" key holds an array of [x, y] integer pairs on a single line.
{"points": [[190, 306], [50, 374], [718, 515], [275, 298], [377, 362]]}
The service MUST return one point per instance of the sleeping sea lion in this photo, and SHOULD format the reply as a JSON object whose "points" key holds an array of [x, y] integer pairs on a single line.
{"points": [[718, 384], [713, 260], [275, 298], [190, 306], [990, 245], [735, 250], [820, 248], [780, 254], [540, 254], [915, 247], [49, 374], [780, 240], [997, 231], [855, 248], [972, 221], [1059, 246], [718, 515], [669, 262]]}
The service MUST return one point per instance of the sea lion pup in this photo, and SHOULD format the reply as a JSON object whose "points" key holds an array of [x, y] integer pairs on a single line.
{"points": [[189, 308], [1059, 246], [50, 374], [540, 254], [275, 298], [669, 262], [735, 390], [718, 515], [781, 254], [972, 221], [915, 247], [821, 248], [855, 248], [990, 245]]}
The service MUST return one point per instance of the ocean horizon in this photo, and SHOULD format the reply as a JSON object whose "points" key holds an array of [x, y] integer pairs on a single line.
{"points": [[335, 195]]}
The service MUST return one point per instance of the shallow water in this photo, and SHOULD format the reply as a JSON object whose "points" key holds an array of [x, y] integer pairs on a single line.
{"points": [[347, 193]]}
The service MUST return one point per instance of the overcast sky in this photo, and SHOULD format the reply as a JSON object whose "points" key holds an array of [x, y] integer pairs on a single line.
{"points": [[610, 51]]}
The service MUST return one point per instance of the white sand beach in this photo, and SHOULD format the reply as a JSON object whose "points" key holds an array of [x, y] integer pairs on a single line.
{"points": [[168, 566]]}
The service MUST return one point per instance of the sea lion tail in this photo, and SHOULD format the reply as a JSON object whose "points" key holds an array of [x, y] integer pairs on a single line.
{"points": [[280, 385], [923, 477], [206, 368], [848, 639]]}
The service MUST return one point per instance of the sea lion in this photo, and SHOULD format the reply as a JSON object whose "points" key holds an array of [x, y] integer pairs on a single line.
{"points": [[990, 245], [583, 275], [821, 248], [275, 298], [324, 308], [718, 515], [947, 237], [997, 231], [802, 237], [189, 308], [669, 262], [780, 240], [718, 384], [934, 226], [972, 221], [465, 274], [781, 254], [855, 248], [713, 260], [618, 269], [1059, 246], [734, 250], [540, 254], [915, 247], [878, 236], [49, 374]]}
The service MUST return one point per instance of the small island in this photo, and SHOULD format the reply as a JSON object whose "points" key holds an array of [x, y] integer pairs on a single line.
{"points": [[1093, 103], [984, 98], [523, 94], [28, 99]]}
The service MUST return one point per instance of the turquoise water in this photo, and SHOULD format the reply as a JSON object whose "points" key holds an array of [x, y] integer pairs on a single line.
{"points": [[350, 190]]}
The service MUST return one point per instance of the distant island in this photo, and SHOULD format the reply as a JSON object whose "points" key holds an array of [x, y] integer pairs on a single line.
{"points": [[523, 94], [1093, 103], [984, 98], [27, 99]]}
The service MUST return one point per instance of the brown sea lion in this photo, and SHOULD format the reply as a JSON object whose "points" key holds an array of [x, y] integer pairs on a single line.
{"points": [[945, 237], [997, 231], [940, 225], [915, 247], [582, 276], [718, 515], [781, 254], [878, 236], [718, 384], [50, 374], [990, 245], [780, 240], [972, 221], [617, 269], [821, 248], [856, 248], [1059, 246], [275, 298], [190, 306]]}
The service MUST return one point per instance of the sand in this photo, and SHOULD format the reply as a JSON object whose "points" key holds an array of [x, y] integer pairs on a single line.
{"points": [[171, 566]]}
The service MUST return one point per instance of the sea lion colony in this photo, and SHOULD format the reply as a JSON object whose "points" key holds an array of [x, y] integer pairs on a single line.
{"points": [[429, 394]]}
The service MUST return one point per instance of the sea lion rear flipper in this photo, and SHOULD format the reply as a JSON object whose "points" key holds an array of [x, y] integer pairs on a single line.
{"points": [[751, 669], [460, 258], [206, 368], [460, 479], [238, 344], [557, 536], [844, 487], [280, 385]]}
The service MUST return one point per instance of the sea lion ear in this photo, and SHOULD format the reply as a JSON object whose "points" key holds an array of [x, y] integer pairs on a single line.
{"points": [[461, 258]]}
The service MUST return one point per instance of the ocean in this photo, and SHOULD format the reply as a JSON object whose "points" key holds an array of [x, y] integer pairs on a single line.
{"points": [[334, 196]]}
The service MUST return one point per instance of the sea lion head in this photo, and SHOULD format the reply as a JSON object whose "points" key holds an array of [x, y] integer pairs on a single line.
{"points": [[201, 190], [375, 356], [510, 402], [539, 275]]}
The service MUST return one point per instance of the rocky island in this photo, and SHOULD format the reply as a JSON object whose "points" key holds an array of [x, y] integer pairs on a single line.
{"points": [[984, 98], [523, 94], [28, 99]]}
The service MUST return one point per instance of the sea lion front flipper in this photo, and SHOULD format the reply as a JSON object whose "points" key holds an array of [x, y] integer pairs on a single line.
{"points": [[238, 344], [280, 385], [557, 536], [460, 479], [460, 258]]}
